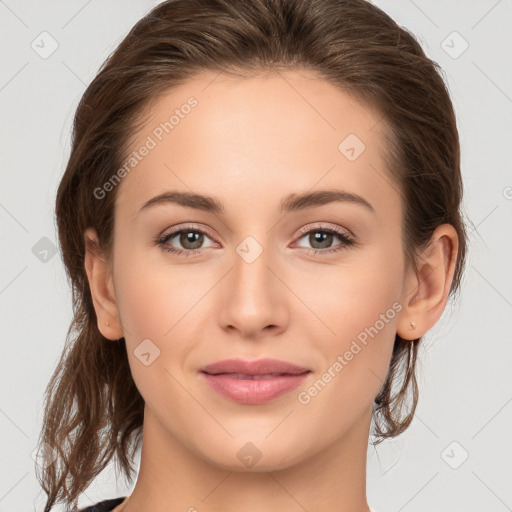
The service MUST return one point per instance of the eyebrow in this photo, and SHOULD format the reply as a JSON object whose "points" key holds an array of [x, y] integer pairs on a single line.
{"points": [[293, 202]]}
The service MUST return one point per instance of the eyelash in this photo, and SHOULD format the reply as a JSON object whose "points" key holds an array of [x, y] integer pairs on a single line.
{"points": [[346, 240]]}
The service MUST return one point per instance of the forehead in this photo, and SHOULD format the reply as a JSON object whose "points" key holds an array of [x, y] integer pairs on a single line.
{"points": [[249, 136]]}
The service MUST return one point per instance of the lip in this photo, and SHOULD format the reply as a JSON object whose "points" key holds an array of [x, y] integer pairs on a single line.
{"points": [[255, 367], [238, 379]]}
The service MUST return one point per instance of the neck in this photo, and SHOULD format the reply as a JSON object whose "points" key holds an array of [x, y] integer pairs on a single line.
{"points": [[173, 476]]}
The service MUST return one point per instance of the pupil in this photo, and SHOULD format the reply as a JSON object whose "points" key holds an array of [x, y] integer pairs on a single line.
{"points": [[321, 237]]}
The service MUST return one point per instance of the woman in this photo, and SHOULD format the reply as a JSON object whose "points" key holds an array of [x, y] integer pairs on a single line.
{"points": [[260, 219]]}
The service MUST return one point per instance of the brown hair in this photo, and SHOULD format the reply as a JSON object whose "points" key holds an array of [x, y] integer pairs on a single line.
{"points": [[93, 409]]}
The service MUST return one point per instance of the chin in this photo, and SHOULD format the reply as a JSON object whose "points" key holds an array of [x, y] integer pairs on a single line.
{"points": [[254, 456]]}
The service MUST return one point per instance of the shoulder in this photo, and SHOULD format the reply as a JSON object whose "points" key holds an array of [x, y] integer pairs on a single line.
{"points": [[103, 506]]}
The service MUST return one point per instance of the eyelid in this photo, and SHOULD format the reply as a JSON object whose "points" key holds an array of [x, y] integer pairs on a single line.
{"points": [[322, 225], [191, 227]]}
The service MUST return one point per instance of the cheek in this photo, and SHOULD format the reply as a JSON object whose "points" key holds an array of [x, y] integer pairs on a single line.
{"points": [[352, 296], [153, 307], [160, 303], [358, 307], [152, 296]]}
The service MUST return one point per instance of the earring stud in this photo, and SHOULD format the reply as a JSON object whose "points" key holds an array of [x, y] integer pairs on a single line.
{"points": [[106, 323], [413, 325]]}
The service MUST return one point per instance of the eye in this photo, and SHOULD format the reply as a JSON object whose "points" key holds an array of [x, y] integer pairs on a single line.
{"points": [[321, 239], [191, 239]]}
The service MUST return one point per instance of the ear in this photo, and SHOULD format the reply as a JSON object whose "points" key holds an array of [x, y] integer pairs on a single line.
{"points": [[426, 291], [102, 288]]}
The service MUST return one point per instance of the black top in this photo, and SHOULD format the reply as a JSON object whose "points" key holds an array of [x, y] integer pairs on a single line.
{"points": [[103, 506]]}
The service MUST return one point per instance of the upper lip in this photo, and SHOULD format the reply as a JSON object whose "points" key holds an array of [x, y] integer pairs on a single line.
{"points": [[255, 367]]}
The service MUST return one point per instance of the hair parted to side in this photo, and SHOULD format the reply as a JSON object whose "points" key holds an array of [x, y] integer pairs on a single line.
{"points": [[93, 410]]}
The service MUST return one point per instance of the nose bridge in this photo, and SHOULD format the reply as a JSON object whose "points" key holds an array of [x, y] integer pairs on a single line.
{"points": [[251, 276], [253, 300]]}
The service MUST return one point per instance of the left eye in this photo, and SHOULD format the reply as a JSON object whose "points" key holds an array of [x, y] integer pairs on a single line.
{"points": [[324, 237]]}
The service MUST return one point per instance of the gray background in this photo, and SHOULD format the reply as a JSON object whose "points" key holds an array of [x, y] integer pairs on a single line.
{"points": [[465, 407]]}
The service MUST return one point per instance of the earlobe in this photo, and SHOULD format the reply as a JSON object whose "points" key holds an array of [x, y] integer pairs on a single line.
{"points": [[427, 290], [101, 286]]}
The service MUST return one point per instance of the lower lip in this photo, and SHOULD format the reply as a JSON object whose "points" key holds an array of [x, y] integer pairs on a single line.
{"points": [[254, 391]]}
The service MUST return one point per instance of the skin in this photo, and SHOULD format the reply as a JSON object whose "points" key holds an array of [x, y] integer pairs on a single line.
{"points": [[250, 143]]}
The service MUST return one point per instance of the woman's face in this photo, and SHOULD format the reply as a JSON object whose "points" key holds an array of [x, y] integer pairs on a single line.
{"points": [[256, 279]]}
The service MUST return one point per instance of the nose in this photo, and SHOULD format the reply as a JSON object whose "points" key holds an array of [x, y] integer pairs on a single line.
{"points": [[254, 298]]}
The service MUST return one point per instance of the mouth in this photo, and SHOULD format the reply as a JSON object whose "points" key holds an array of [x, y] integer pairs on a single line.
{"points": [[253, 382], [246, 376]]}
